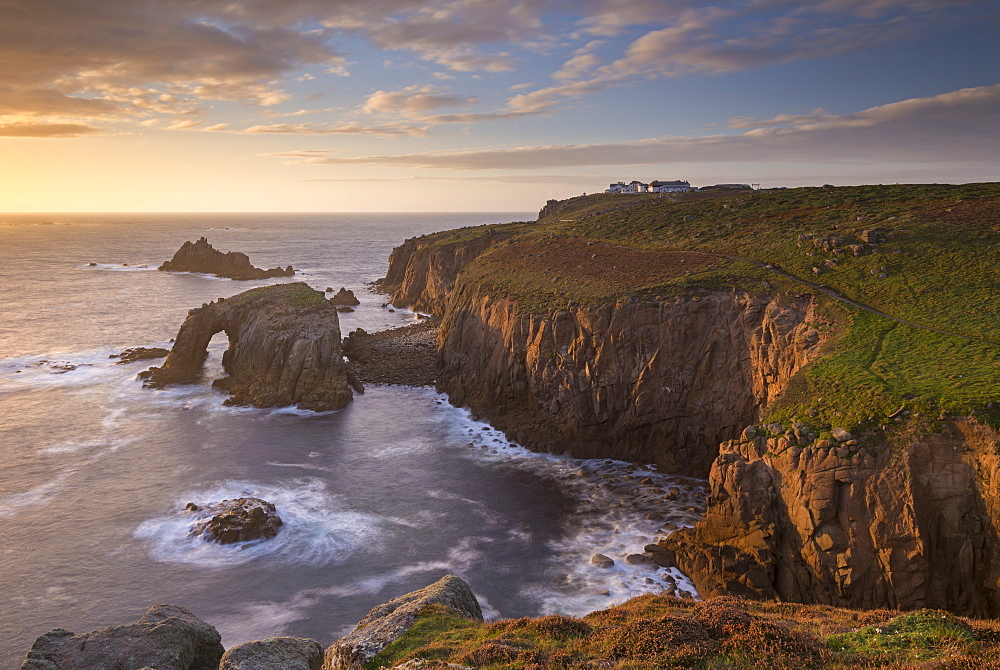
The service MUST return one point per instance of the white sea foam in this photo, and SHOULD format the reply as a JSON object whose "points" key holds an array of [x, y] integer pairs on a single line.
{"points": [[317, 529], [622, 507]]}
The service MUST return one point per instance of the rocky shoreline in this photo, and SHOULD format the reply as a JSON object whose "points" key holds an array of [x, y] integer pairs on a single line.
{"points": [[405, 355]]}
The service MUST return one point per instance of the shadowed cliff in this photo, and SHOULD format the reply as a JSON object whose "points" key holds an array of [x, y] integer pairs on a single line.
{"points": [[284, 349]]}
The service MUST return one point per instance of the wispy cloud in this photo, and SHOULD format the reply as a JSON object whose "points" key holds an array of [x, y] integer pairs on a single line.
{"points": [[349, 129], [46, 130], [959, 125]]}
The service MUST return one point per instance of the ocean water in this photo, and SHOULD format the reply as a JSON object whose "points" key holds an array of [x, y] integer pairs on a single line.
{"points": [[380, 498]]}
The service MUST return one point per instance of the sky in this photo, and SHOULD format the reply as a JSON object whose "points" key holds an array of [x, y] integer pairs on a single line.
{"points": [[482, 105]]}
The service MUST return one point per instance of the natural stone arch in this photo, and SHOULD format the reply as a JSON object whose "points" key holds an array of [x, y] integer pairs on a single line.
{"points": [[284, 349]]}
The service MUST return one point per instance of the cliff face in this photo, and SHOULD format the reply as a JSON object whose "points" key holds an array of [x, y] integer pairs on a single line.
{"points": [[201, 256], [909, 529], [422, 273], [284, 349], [660, 382]]}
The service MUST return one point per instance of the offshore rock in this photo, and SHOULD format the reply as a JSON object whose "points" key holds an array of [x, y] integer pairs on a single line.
{"points": [[276, 653], [284, 349], [388, 621], [238, 520], [345, 298], [914, 526], [201, 256], [167, 637]]}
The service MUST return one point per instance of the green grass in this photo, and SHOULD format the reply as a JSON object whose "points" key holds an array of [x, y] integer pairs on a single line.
{"points": [[941, 267], [296, 294], [720, 634], [917, 636]]}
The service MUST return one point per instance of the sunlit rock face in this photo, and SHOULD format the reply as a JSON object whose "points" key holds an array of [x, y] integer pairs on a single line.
{"points": [[284, 349], [201, 256]]}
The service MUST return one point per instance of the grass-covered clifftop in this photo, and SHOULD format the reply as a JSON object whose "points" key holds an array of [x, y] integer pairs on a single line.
{"points": [[909, 276], [720, 634]]}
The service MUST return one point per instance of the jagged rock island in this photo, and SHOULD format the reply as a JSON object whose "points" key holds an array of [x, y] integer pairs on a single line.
{"points": [[201, 256], [284, 349], [842, 345]]}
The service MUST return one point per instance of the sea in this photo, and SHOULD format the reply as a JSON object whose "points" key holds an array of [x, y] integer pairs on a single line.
{"points": [[380, 498]]}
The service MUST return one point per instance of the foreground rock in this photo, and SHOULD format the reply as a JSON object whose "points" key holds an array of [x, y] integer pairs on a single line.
{"points": [[201, 256], [167, 637], [238, 520], [276, 653], [388, 621], [813, 522], [140, 354], [284, 349], [406, 355]]}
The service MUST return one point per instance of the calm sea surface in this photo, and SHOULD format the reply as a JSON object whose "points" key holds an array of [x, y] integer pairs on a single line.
{"points": [[380, 498]]}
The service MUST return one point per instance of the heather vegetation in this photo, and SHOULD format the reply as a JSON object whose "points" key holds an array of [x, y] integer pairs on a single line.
{"points": [[719, 634], [907, 278]]}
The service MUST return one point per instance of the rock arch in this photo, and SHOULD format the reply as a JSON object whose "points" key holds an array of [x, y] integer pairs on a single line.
{"points": [[284, 349]]}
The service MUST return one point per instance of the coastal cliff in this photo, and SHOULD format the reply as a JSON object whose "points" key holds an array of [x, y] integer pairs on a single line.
{"points": [[828, 523], [284, 349], [656, 330], [200, 256], [646, 381]]}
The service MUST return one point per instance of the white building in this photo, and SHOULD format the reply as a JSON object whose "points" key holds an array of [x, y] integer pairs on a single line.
{"points": [[669, 186]]}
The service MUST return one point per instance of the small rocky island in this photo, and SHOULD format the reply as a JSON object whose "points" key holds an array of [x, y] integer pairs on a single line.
{"points": [[201, 256], [284, 349], [237, 520]]}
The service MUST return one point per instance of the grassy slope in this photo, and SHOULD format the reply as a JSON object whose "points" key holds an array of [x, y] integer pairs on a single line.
{"points": [[724, 633], [939, 268]]}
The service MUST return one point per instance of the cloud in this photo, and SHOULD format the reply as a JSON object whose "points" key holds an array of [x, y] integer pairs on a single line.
{"points": [[349, 129], [502, 179], [955, 126], [413, 100], [46, 130]]}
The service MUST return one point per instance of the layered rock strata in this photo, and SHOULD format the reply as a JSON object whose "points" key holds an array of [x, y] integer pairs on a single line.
{"points": [[907, 528], [284, 349], [200, 256]]}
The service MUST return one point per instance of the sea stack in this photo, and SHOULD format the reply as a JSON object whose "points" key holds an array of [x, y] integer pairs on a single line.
{"points": [[284, 349], [201, 256]]}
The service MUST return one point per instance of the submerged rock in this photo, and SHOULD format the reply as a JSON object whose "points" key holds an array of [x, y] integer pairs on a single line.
{"points": [[140, 354], [201, 256], [167, 637], [388, 621], [284, 349], [276, 653], [237, 520]]}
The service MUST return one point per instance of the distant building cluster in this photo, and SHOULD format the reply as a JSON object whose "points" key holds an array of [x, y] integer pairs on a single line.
{"points": [[664, 187]]}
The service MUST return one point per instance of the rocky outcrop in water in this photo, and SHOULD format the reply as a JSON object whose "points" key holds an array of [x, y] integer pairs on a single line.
{"points": [[202, 257], [388, 621], [284, 349], [167, 637], [819, 522], [140, 354], [237, 520], [345, 298]]}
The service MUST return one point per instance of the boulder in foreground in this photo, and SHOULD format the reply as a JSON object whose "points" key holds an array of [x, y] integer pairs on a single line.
{"points": [[388, 621], [276, 653], [201, 256], [167, 637]]}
